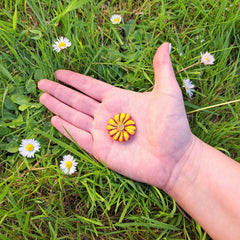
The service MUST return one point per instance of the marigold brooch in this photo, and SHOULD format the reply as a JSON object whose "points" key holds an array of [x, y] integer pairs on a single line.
{"points": [[121, 127]]}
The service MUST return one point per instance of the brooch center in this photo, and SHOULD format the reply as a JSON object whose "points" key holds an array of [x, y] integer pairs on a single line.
{"points": [[120, 126]]}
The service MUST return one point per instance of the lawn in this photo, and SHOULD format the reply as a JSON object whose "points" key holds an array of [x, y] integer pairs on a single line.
{"points": [[37, 200]]}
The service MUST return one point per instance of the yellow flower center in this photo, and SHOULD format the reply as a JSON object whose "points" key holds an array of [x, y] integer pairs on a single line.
{"points": [[68, 164], [207, 59], [116, 20], [29, 147], [61, 45], [188, 88], [120, 127]]}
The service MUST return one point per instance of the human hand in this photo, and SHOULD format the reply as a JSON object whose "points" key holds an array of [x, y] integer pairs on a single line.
{"points": [[162, 136]]}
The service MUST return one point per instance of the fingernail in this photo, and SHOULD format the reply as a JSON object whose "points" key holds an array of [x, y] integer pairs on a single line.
{"points": [[170, 47]]}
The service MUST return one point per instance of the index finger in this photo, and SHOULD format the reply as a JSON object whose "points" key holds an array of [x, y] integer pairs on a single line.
{"points": [[88, 85]]}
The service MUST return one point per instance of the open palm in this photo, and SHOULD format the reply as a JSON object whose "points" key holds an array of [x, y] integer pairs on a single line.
{"points": [[162, 134]]}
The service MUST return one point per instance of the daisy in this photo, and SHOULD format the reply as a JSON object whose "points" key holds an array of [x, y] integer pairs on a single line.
{"points": [[116, 19], [207, 58], [187, 84], [61, 44], [68, 164], [28, 147]]}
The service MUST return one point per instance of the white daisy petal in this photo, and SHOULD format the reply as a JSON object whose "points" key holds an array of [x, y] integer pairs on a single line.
{"points": [[28, 147], [116, 19], [61, 44], [187, 84], [207, 58], [68, 165]]}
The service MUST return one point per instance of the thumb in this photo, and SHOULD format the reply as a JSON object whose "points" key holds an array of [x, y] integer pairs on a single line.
{"points": [[165, 79]]}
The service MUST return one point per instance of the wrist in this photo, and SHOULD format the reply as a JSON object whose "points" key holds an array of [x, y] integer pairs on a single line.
{"points": [[186, 170], [205, 183]]}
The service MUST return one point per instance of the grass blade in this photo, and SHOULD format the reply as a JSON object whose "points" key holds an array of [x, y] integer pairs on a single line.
{"points": [[15, 17]]}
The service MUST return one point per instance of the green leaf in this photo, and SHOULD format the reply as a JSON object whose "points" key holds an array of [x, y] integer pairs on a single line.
{"points": [[7, 115], [37, 34], [9, 104], [31, 87], [38, 74], [12, 147], [16, 121], [56, 149], [23, 107], [4, 131], [6, 73], [20, 99]]}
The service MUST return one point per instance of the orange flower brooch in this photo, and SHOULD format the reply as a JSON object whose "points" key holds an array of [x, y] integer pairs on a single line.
{"points": [[121, 127]]}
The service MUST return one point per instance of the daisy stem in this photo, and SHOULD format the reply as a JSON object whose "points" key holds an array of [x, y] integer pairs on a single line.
{"points": [[69, 62], [187, 67], [33, 168]]}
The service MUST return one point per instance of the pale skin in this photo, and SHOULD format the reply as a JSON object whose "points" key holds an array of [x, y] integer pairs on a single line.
{"points": [[163, 152]]}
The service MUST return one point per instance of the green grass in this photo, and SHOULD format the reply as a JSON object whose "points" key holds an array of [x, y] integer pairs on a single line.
{"points": [[37, 201]]}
